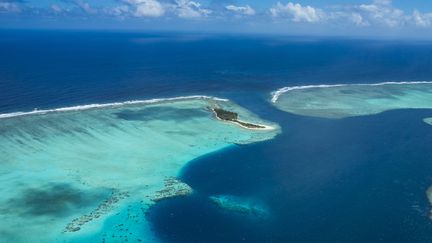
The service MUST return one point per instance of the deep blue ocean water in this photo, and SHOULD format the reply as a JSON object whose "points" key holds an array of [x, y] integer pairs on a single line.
{"points": [[359, 179]]}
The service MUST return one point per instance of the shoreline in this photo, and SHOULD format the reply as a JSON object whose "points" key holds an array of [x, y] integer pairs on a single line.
{"points": [[241, 123]]}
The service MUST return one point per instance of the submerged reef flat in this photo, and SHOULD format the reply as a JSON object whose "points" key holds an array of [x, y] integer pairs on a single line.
{"points": [[428, 120], [91, 173], [348, 100], [240, 205], [102, 209], [429, 196], [173, 188]]}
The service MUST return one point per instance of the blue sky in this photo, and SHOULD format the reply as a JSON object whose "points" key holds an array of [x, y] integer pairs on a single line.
{"points": [[398, 18]]}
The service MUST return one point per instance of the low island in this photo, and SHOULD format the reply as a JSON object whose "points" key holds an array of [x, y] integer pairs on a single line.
{"points": [[233, 117]]}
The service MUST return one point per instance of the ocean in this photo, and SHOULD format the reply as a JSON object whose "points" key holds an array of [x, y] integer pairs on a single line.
{"points": [[359, 178]]}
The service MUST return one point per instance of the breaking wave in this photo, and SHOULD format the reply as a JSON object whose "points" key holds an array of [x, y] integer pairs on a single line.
{"points": [[276, 94], [107, 105]]}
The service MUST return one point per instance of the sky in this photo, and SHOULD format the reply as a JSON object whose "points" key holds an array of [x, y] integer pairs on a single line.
{"points": [[397, 18]]}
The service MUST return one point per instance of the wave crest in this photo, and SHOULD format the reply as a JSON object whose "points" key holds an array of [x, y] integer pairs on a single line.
{"points": [[276, 94], [107, 105]]}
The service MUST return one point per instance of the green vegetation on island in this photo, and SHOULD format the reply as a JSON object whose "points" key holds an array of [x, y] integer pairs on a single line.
{"points": [[233, 117]]}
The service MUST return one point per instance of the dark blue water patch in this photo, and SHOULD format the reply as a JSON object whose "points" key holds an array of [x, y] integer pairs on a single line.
{"points": [[49, 69], [221, 223], [359, 179]]}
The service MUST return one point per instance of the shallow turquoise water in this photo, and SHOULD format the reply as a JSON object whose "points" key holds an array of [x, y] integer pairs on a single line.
{"points": [[88, 175], [348, 100]]}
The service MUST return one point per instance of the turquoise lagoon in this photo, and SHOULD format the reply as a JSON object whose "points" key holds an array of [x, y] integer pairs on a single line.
{"points": [[90, 173], [348, 100]]}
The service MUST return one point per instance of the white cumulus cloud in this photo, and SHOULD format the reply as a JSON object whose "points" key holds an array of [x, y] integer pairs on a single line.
{"points": [[297, 13], [147, 8], [245, 10], [190, 9], [381, 12], [118, 10], [377, 13], [85, 6], [422, 19]]}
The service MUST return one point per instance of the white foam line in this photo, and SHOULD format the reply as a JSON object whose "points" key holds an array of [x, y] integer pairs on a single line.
{"points": [[279, 92], [107, 105]]}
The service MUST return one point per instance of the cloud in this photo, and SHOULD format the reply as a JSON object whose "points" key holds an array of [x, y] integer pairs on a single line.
{"points": [[422, 20], [244, 10], [190, 9], [147, 8], [118, 10], [378, 13], [297, 13], [370, 14], [154, 8], [56, 8], [346, 17], [85, 6], [381, 12], [9, 7], [382, 2], [357, 19]]}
